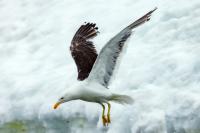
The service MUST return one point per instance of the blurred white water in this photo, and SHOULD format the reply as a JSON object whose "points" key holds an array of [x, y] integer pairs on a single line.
{"points": [[161, 67]]}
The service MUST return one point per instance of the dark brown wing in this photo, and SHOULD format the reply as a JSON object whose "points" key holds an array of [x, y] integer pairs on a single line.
{"points": [[83, 50]]}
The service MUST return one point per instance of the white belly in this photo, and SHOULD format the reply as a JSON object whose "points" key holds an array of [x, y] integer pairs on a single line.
{"points": [[95, 93]]}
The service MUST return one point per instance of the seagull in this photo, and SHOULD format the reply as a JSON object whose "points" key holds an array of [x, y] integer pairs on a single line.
{"points": [[95, 70]]}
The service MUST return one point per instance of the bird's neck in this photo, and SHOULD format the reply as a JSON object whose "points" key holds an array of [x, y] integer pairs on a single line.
{"points": [[73, 96]]}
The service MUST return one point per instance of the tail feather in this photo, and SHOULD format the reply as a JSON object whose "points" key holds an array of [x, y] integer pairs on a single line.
{"points": [[122, 99]]}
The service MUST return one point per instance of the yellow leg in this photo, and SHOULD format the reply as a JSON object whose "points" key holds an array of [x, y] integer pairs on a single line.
{"points": [[104, 120], [108, 115]]}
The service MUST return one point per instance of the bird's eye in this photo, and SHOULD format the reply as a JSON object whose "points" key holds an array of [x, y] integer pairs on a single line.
{"points": [[62, 98]]}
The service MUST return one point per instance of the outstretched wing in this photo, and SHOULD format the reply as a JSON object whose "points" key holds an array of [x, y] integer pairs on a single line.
{"points": [[106, 61], [83, 50]]}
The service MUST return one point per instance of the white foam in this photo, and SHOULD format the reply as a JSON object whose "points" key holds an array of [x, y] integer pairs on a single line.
{"points": [[160, 68]]}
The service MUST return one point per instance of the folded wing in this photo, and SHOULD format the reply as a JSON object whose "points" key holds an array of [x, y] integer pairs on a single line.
{"points": [[83, 50], [107, 59]]}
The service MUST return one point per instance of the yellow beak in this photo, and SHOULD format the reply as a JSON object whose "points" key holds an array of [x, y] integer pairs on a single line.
{"points": [[56, 105]]}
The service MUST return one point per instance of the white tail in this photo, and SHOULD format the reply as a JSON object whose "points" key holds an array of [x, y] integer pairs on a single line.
{"points": [[122, 99]]}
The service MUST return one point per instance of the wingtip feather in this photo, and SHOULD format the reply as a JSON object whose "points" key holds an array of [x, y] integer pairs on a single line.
{"points": [[142, 19]]}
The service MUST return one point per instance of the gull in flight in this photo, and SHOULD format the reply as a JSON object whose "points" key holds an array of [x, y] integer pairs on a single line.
{"points": [[95, 70]]}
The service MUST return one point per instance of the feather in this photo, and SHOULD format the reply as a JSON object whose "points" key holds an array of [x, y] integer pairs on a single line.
{"points": [[106, 61], [83, 50]]}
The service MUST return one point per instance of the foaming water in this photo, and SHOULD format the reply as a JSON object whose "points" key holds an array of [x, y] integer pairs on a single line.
{"points": [[160, 68]]}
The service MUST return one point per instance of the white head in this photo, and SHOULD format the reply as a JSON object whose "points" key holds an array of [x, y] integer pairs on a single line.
{"points": [[72, 93], [65, 98]]}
